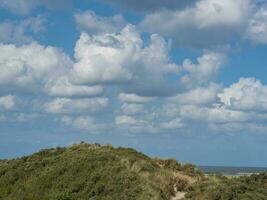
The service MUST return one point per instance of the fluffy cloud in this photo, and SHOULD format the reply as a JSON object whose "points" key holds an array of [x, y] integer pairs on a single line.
{"points": [[133, 98], [173, 124], [257, 27], [101, 59], [40, 69], [206, 23], [197, 96], [7, 102], [88, 21], [133, 104], [149, 123], [28, 67], [84, 105], [247, 94], [213, 114], [149, 93], [132, 109], [62, 87], [241, 107], [131, 124], [126, 120], [84, 123], [122, 58], [20, 32], [25, 7], [205, 70]]}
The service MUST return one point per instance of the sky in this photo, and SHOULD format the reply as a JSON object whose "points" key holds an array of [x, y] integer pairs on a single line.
{"points": [[182, 79]]}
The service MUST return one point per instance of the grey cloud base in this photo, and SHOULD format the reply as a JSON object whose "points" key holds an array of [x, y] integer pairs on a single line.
{"points": [[210, 23], [151, 5]]}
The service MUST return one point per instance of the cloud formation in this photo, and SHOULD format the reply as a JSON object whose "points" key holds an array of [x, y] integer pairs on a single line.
{"points": [[197, 96], [62, 87], [204, 71], [194, 25], [21, 32], [84, 105], [91, 23], [122, 58], [28, 67], [257, 27], [134, 99], [84, 123], [241, 107], [248, 94], [122, 80], [210, 23]]}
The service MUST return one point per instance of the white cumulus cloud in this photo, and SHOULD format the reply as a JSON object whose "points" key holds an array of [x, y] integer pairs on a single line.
{"points": [[30, 66], [88, 21], [63, 87], [257, 27], [206, 23], [84, 123], [84, 105], [213, 114], [173, 124], [205, 70], [134, 98], [122, 58], [198, 96], [247, 94]]}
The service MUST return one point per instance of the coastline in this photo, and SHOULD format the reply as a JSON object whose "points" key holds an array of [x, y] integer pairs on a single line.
{"points": [[232, 171]]}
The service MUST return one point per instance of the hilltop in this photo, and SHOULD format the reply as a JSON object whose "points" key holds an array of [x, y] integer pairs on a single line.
{"points": [[92, 172], [95, 172]]}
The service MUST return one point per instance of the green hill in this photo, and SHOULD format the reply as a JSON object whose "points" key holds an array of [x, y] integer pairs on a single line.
{"points": [[92, 172]]}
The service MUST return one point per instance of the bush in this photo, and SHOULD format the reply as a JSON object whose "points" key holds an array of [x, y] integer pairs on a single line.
{"points": [[222, 188], [86, 171]]}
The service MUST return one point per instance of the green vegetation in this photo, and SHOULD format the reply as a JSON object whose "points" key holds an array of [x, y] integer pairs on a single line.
{"points": [[92, 172], [252, 187]]}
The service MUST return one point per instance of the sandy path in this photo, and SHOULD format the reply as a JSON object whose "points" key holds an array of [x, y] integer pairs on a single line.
{"points": [[178, 196]]}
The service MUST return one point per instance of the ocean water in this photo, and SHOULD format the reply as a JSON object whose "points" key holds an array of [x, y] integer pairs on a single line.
{"points": [[232, 171]]}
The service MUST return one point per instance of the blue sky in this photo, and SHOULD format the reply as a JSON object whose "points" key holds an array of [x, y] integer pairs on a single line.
{"points": [[182, 79]]}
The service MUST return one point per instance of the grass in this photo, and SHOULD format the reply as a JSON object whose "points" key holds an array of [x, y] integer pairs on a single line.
{"points": [[235, 188], [92, 172]]}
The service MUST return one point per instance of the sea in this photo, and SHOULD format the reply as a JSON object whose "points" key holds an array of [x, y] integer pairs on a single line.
{"points": [[232, 171]]}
